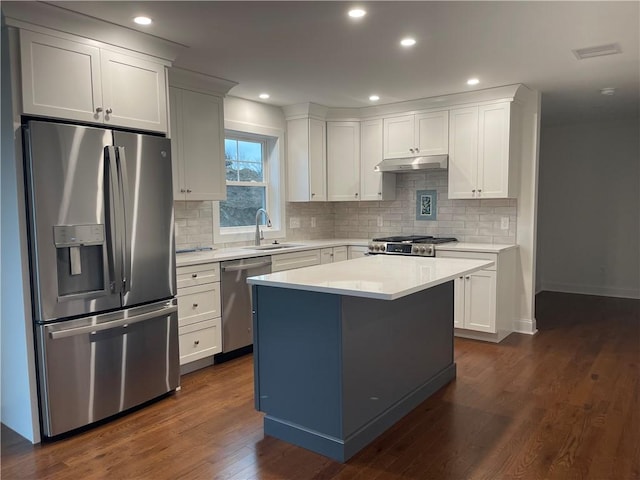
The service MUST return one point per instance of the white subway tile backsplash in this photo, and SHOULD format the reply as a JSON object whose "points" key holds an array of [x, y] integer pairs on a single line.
{"points": [[471, 220]]}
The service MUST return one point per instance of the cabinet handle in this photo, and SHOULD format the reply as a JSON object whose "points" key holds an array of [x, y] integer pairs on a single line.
{"points": [[194, 275], [98, 109], [195, 305], [196, 342], [108, 111]]}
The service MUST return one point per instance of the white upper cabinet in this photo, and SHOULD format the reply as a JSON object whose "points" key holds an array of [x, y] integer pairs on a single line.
{"points": [[306, 160], [483, 151], [374, 185], [76, 81], [420, 134], [134, 92], [197, 145], [343, 161]]}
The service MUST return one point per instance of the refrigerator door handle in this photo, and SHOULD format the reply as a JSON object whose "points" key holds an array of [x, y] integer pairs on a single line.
{"points": [[126, 235], [113, 215], [71, 332]]}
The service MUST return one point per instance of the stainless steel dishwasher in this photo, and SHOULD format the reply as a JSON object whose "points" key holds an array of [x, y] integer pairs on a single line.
{"points": [[237, 320]]}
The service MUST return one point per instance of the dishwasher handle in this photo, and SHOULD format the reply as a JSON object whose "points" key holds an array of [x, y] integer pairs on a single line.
{"points": [[71, 332], [245, 266]]}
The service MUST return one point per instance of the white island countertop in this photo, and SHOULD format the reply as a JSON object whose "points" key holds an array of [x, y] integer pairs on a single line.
{"points": [[383, 277]]}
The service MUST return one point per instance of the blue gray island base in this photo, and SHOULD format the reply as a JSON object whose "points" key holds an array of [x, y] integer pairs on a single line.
{"points": [[333, 372]]}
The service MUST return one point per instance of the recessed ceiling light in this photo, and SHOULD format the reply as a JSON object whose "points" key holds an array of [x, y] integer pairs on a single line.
{"points": [[599, 51], [264, 96], [357, 13], [374, 98], [473, 81], [142, 20], [408, 42], [608, 91]]}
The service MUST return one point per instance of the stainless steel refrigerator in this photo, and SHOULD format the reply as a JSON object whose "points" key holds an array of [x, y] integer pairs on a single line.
{"points": [[100, 210]]}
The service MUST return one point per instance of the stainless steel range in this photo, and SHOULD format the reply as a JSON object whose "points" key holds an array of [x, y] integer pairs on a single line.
{"points": [[421, 245]]}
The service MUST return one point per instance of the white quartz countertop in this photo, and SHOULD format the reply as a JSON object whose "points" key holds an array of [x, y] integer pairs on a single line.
{"points": [[223, 254], [473, 247], [384, 277]]}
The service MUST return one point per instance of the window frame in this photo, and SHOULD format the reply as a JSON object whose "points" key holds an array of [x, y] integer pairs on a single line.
{"points": [[273, 179]]}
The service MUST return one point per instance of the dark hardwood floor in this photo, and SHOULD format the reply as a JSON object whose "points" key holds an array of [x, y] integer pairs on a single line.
{"points": [[563, 404]]}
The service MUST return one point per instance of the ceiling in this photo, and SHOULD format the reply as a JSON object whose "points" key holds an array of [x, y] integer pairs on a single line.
{"points": [[302, 51]]}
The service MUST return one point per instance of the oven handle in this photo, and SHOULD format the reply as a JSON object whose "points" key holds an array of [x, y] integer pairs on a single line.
{"points": [[72, 332]]}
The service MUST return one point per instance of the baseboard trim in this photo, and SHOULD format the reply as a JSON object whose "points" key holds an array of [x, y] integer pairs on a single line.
{"points": [[525, 325], [591, 290]]}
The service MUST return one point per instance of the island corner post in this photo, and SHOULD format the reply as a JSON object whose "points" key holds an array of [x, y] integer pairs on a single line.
{"points": [[334, 371]]}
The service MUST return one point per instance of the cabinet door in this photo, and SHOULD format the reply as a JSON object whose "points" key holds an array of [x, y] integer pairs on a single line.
{"points": [[399, 136], [343, 161], [202, 146], [355, 251], [177, 162], [134, 92], [339, 254], [317, 160], [458, 302], [374, 185], [480, 301], [493, 150], [463, 152], [60, 78], [326, 256], [432, 133]]}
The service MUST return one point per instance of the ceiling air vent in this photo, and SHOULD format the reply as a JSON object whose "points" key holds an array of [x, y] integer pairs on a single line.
{"points": [[599, 51]]}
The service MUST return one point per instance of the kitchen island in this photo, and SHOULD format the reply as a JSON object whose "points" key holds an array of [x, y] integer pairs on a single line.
{"points": [[342, 351]]}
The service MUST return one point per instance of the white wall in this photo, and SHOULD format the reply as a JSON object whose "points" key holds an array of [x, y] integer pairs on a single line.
{"points": [[589, 209], [18, 394]]}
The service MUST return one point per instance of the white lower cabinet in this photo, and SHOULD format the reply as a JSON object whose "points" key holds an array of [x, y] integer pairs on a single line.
{"points": [[289, 261], [199, 311], [484, 301], [357, 251], [331, 255]]}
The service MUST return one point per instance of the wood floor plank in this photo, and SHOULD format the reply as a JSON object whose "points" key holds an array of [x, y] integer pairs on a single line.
{"points": [[563, 404]]}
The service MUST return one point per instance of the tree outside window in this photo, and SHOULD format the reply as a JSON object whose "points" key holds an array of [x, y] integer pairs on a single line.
{"points": [[246, 184]]}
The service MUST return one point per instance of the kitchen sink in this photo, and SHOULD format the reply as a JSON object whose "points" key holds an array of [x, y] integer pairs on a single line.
{"points": [[274, 246]]}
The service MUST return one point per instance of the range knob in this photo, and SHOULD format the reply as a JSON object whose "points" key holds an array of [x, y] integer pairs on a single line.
{"points": [[371, 247], [382, 248], [423, 249], [414, 249]]}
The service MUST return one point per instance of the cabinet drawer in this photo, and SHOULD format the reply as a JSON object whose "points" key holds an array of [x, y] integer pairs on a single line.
{"points": [[289, 261], [472, 256], [198, 274], [199, 340], [198, 303]]}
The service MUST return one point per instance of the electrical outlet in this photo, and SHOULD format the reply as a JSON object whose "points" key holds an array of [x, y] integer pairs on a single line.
{"points": [[313, 222], [380, 222], [504, 223], [294, 222]]}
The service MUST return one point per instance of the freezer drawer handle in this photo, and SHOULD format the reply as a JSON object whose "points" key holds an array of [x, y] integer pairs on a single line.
{"points": [[246, 266], [109, 325]]}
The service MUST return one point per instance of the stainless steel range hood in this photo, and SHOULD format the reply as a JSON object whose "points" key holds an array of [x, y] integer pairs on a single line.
{"points": [[428, 162]]}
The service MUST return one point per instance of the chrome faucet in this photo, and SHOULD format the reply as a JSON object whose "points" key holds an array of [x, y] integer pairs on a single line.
{"points": [[258, 233]]}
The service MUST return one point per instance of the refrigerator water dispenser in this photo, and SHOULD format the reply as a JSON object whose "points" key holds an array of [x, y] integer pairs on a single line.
{"points": [[80, 258]]}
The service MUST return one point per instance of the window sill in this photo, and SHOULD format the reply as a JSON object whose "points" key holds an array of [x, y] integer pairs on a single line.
{"points": [[246, 234]]}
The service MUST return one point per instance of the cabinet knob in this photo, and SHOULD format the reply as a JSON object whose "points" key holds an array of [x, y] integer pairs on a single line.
{"points": [[195, 305], [196, 342], [188, 190], [411, 150], [98, 109], [108, 111], [356, 194], [417, 149], [182, 190], [380, 193], [468, 277], [194, 275], [479, 191], [313, 194]]}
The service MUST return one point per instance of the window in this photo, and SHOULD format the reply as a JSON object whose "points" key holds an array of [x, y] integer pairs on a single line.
{"points": [[255, 179], [246, 181]]}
